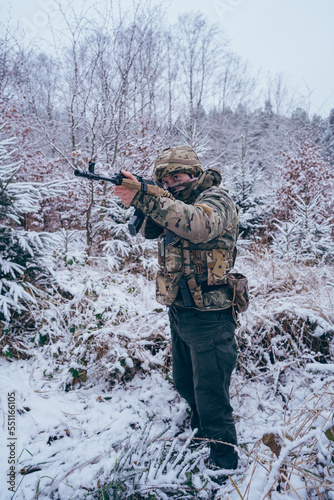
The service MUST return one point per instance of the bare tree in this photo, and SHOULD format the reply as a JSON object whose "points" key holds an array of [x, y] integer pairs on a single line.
{"points": [[199, 50]]}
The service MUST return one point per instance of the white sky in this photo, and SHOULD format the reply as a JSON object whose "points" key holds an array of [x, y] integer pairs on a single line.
{"points": [[293, 37]]}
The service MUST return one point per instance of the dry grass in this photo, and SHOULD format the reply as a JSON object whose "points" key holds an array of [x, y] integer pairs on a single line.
{"points": [[300, 458]]}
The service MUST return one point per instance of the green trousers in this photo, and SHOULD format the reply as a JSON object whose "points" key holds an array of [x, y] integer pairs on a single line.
{"points": [[204, 354]]}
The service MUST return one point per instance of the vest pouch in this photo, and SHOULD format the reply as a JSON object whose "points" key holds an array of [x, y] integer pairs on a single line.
{"points": [[196, 292], [161, 250], [173, 259], [167, 287], [238, 283], [217, 266]]}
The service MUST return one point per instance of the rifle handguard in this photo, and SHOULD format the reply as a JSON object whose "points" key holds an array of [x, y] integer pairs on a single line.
{"points": [[120, 180], [148, 188]]}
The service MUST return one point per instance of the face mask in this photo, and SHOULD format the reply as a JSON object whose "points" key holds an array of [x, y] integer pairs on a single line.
{"points": [[193, 187], [178, 188]]}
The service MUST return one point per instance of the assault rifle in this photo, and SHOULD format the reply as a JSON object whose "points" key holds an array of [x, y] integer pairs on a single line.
{"points": [[138, 217]]}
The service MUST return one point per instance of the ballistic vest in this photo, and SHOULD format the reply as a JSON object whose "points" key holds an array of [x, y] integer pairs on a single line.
{"points": [[195, 275]]}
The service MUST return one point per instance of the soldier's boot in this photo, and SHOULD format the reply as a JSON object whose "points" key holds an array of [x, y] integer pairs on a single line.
{"points": [[223, 456]]}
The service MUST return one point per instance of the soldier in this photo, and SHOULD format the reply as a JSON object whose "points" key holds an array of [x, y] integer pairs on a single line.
{"points": [[197, 228]]}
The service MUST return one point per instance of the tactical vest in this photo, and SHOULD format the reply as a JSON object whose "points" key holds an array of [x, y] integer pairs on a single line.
{"points": [[196, 272]]}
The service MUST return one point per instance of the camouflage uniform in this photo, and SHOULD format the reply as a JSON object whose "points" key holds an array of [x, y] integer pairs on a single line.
{"points": [[197, 241]]}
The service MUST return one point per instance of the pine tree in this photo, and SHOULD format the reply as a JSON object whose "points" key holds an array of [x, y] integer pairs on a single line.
{"points": [[304, 204], [305, 175], [284, 242], [304, 238], [245, 179], [328, 138], [313, 234], [37, 164], [23, 269]]}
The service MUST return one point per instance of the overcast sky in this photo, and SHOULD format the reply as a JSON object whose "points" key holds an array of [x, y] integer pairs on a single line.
{"points": [[293, 37]]}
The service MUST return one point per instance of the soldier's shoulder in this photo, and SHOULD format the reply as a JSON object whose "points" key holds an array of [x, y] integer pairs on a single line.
{"points": [[216, 195]]}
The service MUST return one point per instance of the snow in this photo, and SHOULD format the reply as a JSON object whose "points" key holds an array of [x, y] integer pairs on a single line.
{"points": [[90, 428], [125, 420], [320, 367], [98, 423]]}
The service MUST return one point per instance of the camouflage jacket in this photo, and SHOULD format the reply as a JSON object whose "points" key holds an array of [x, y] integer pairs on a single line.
{"points": [[196, 242]]}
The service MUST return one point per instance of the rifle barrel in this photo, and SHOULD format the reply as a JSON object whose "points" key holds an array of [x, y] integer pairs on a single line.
{"points": [[138, 217], [95, 177]]}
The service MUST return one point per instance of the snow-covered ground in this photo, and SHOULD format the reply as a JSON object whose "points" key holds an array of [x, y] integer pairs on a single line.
{"points": [[98, 416]]}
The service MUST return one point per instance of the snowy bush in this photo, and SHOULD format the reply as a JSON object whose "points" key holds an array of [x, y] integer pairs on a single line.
{"points": [[98, 324], [305, 176], [23, 268], [120, 248], [246, 180], [290, 318], [307, 237]]}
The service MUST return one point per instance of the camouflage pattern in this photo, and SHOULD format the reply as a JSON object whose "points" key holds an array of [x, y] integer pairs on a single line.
{"points": [[167, 287], [217, 265], [189, 272], [239, 284], [205, 247], [217, 299], [179, 159], [190, 222]]}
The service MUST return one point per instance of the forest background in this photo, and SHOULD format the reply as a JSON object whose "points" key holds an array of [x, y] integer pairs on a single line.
{"points": [[77, 309]]}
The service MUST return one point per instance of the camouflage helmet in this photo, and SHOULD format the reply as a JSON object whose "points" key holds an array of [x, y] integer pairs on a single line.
{"points": [[181, 159]]}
